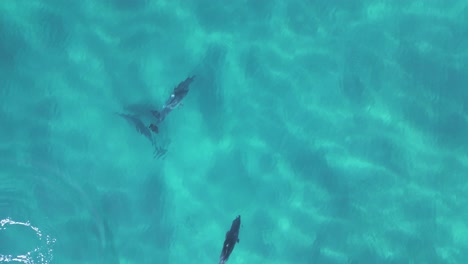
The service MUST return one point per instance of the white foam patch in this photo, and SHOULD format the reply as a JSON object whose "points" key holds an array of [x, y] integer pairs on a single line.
{"points": [[41, 254]]}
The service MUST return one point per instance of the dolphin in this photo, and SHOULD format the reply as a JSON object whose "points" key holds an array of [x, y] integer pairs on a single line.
{"points": [[174, 100], [232, 237], [139, 125]]}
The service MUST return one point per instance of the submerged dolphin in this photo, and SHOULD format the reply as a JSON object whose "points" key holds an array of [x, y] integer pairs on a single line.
{"points": [[139, 125], [179, 92], [232, 237], [143, 114]]}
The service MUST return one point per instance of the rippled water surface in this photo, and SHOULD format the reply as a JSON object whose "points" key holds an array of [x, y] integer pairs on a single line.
{"points": [[336, 129], [44, 206]]}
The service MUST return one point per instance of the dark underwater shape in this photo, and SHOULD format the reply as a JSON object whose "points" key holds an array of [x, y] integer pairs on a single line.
{"points": [[154, 128], [174, 100], [135, 120], [232, 237], [140, 113], [139, 125]]}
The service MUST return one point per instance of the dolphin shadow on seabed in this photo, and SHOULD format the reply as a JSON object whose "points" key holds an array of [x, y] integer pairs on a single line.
{"points": [[147, 120]]}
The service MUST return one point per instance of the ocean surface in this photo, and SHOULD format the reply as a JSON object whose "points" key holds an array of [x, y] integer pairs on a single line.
{"points": [[338, 130]]}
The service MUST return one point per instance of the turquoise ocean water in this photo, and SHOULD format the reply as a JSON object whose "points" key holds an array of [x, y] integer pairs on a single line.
{"points": [[336, 129]]}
